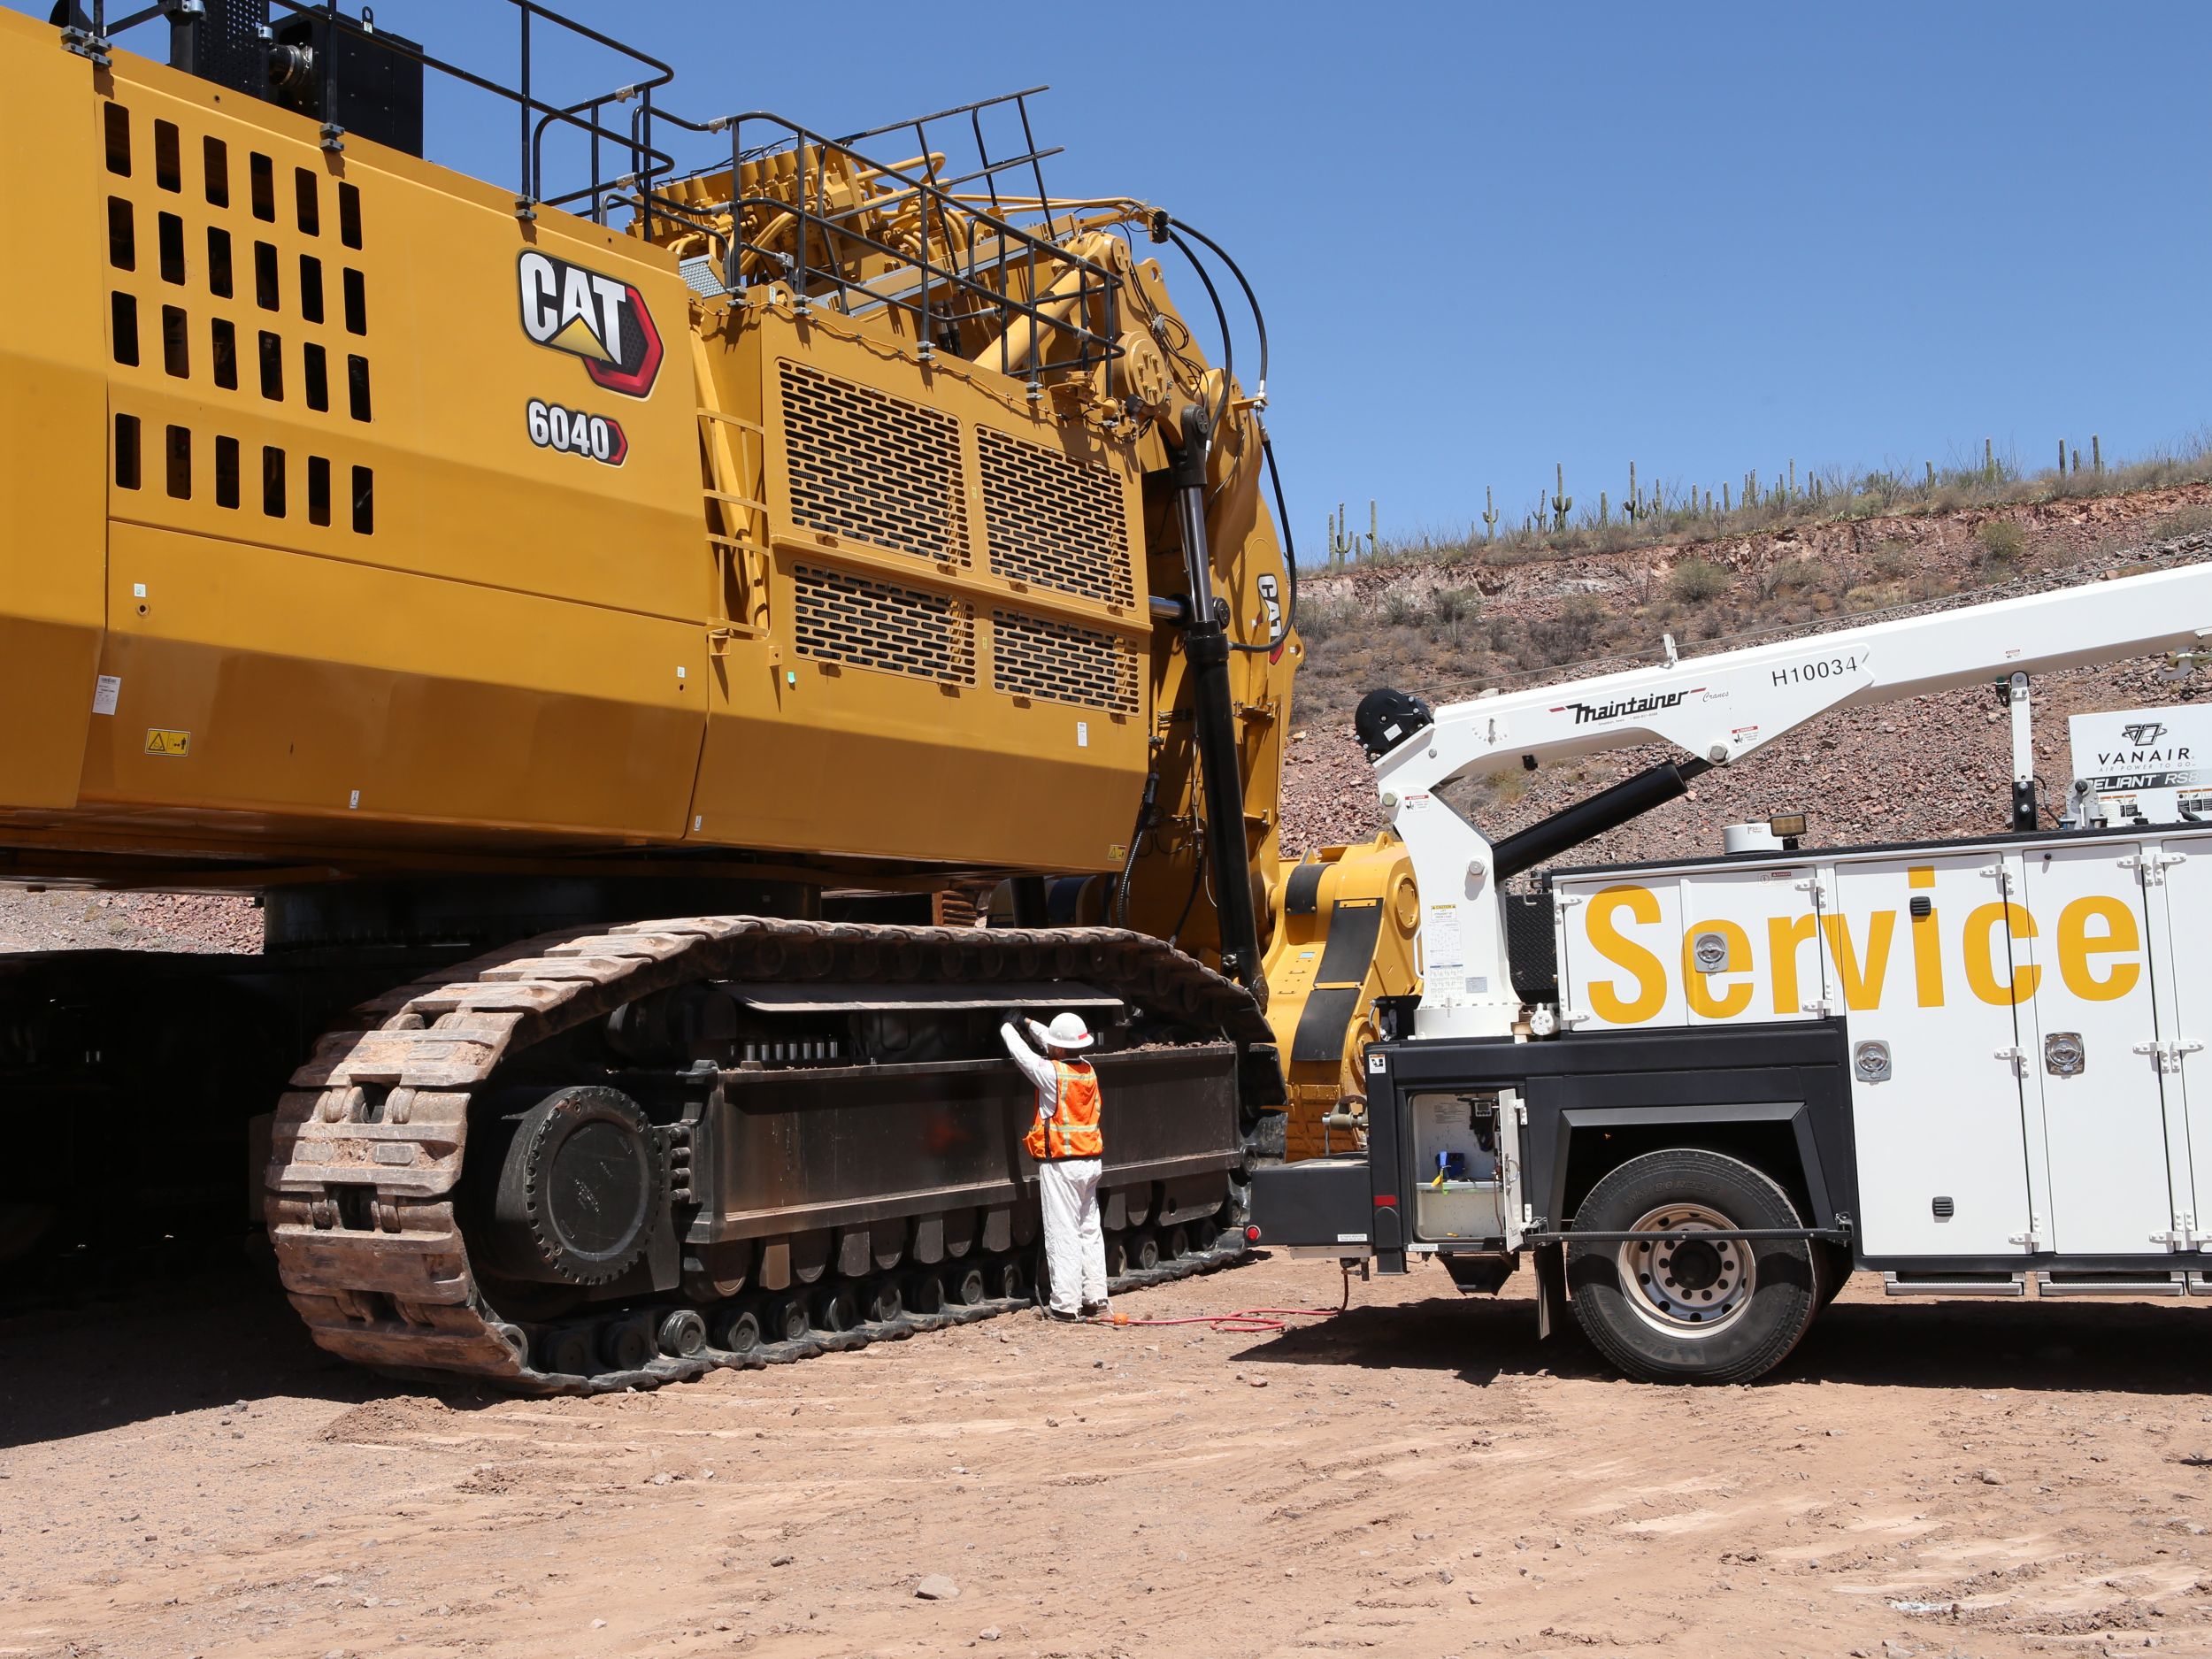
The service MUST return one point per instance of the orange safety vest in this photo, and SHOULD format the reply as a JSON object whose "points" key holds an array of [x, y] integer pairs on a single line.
{"points": [[1072, 1130]]}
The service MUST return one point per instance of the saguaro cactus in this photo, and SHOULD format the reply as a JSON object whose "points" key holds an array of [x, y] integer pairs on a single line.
{"points": [[1489, 515], [1633, 504], [1989, 458], [2096, 455], [1340, 544], [1561, 502], [1344, 540]]}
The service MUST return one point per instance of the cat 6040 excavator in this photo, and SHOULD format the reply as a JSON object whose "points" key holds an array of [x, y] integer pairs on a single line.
{"points": [[603, 620]]}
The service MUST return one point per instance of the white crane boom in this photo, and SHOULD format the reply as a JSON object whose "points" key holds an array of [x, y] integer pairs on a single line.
{"points": [[1720, 708]]}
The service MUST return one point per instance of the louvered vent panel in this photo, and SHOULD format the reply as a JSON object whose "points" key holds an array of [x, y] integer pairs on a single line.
{"points": [[1060, 662], [873, 467], [847, 618], [1053, 521]]}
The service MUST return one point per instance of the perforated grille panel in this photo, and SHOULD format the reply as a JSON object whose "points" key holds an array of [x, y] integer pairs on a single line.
{"points": [[1060, 662], [845, 619], [1053, 521], [873, 467]]}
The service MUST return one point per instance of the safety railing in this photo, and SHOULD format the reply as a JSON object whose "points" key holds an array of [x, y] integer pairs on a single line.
{"points": [[640, 162], [801, 208], [816, 206]]}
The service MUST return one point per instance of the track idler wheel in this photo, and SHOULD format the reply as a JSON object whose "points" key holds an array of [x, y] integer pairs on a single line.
{"points": [[583, 1183], [966, 1286]]}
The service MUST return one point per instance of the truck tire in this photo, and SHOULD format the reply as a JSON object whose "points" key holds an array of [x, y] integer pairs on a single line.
{"points": [[1690, 1311], [1834, 1260]]}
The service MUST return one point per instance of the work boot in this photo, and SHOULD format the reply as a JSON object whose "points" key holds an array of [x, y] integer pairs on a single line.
{"points": [[1098, 1310], [1059, 1316]]}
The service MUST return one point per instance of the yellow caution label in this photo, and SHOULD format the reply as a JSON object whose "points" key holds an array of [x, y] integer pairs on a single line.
{"points": [[173, 745], [1116, 851]]}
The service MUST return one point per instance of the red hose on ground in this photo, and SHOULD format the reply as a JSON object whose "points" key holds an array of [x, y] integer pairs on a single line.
{"points": [[1244, 1322]]}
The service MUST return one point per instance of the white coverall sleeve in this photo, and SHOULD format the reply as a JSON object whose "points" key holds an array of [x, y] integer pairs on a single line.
{"points": [[1034, 1066]]}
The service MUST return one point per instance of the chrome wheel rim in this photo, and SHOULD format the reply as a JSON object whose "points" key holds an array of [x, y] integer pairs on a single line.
{"points": [[1686, 1286]]}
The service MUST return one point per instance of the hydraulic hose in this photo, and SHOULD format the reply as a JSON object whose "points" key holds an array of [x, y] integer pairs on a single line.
{"points": [[1267, 449]]}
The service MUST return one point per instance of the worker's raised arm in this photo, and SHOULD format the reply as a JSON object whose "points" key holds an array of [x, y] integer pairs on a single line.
{"points": [[1035, 1065]]}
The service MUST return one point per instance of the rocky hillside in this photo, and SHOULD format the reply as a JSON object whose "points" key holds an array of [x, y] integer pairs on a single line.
{"points": [[1934, 766]]}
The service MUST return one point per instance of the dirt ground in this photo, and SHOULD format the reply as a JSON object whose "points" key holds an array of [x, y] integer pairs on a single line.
{"points": [[181, 1474]]}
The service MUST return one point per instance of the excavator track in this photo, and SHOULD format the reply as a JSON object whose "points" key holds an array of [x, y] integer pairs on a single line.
{"points": [[368, 1144]]}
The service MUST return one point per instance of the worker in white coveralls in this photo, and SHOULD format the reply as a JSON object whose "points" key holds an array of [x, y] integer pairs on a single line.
{"points": [[1069, 1150]]}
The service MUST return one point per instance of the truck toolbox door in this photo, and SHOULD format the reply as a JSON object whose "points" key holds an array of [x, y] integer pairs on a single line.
{"points": [[2085, 1030]]}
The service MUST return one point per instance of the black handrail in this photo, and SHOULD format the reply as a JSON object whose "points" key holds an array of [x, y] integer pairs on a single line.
{"points": [[645, 161], [951, 260]]}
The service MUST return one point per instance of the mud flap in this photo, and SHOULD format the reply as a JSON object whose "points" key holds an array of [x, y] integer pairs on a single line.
{"points": [[1550, 1262]]}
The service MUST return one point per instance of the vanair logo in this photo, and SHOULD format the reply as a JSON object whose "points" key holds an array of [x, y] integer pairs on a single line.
{"points": [[567, 308], [2144, 735]]}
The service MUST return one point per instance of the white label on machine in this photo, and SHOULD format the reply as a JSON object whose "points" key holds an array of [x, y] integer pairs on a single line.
{"points": [[1082, 734], [105, 691], [1446, 1112], [2146, 766], [1442, 955], [1440, 937]]}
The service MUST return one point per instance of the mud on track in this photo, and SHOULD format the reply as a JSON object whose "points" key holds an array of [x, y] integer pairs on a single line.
{"points": [[186, 1474]]}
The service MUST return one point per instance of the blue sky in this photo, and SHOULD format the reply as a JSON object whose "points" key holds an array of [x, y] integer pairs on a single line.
{"points": [[1490, 238]]}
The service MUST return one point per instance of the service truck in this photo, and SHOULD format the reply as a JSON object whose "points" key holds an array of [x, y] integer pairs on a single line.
{"points": [[1697, 1094]]}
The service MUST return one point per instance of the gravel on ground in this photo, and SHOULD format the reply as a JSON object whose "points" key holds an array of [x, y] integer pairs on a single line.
{"points": [[182, 1474]]}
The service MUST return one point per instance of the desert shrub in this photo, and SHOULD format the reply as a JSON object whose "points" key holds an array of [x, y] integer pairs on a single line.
{"points": [[1452, 605], [2187, 521], [1400, 609], [2002, 541], [1694, 580], [1323, 618], [1571, 636]]}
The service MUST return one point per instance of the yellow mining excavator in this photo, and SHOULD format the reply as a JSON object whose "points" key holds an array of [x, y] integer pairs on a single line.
{"points": [[606, 620]]}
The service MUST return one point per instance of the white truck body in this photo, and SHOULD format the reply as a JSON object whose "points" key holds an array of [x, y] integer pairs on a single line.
{"points": [[2026, 1021]]}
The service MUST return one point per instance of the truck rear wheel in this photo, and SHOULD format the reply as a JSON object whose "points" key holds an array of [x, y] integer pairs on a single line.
{"points": [[1688, 1309]]}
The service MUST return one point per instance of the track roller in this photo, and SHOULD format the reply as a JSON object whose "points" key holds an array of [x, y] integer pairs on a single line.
{"points": [[629, 1343], [682, 1334], [735, 1329], [882, 1302]]}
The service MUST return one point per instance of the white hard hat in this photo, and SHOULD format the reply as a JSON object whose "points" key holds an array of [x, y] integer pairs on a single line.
{"points": [[1068, 1031]]}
